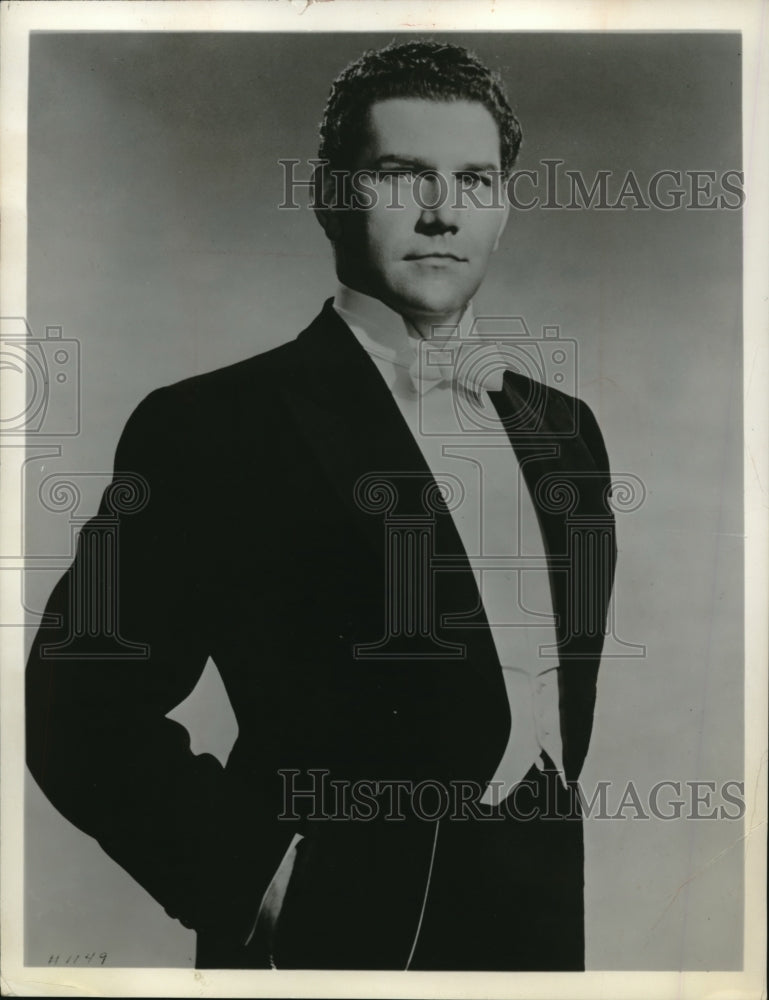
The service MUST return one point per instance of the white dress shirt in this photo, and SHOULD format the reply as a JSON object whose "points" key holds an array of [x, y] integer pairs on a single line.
{"points": [[460, 434]]}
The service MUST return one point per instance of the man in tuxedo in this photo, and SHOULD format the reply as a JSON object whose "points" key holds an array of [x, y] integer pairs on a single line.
{"points": [[395, 545]]}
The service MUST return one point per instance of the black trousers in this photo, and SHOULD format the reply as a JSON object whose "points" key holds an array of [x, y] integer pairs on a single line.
{"points": [[505, 894], [507, 888]]}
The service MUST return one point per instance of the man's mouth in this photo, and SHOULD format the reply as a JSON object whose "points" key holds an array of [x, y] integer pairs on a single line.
{"points": [[435, 256]]}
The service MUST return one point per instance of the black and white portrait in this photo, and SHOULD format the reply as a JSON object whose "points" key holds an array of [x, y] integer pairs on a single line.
{"points": [[382, 501]]}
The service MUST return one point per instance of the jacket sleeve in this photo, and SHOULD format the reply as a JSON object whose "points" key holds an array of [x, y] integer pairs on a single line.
{"points": [[127, 642], [591, 584], [591, 433]]}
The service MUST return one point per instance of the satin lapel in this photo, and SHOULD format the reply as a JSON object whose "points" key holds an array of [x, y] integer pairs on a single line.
{"points": [[354, 427], [351, 422]]}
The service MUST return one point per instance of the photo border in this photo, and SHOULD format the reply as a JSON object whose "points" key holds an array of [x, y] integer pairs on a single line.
{"points": [[747, 16]]}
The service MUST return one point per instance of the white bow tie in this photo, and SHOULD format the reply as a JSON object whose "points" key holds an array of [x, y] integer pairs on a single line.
{"points": [[474, 366]]}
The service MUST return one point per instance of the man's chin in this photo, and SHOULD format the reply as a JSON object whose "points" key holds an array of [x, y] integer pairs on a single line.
{"points": [[435, 304]]}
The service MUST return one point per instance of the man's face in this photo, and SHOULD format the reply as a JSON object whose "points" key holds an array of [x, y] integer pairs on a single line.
{"points": [[424, 262]]}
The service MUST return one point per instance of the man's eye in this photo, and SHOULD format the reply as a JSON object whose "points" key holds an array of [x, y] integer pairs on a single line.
{"points": [[472, 179], [400, 173]]}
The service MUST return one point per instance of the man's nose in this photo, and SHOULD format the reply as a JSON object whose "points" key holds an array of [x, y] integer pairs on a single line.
{"points": [[436, 201]]}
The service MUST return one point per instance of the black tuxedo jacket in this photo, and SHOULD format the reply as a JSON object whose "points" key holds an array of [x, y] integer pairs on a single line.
{"points": [[240, 526]]}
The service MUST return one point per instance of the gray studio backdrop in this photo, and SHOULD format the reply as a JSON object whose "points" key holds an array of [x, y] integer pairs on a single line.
{"points": [[156, 245]]}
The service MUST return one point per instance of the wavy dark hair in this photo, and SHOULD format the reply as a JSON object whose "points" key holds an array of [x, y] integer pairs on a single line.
{"points": [[436, 71]]}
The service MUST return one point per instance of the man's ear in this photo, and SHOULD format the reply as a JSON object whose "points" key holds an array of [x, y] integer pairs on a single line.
{"points": [[329, 221], [502, 224], [325, 203]]}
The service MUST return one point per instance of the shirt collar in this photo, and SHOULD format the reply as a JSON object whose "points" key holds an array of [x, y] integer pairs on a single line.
{"points": [[382, 331]]}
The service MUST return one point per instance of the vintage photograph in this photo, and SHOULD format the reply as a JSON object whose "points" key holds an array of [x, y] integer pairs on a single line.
{"points": [[383, 505]]}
